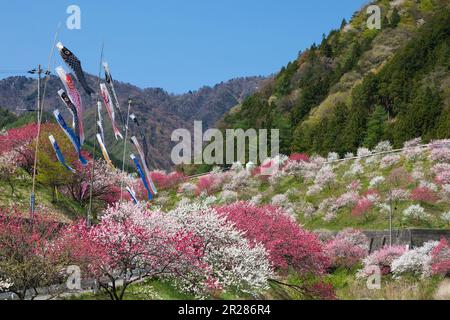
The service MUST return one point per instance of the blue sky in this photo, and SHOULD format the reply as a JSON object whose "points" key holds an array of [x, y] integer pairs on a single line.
{"points": [[177, 45]]}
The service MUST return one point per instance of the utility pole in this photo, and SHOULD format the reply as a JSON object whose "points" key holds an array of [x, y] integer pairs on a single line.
{"points": [[390, 218], [33, 188]]}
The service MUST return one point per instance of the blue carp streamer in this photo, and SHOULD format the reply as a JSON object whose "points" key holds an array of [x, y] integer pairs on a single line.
{"points": [[132, 194], [59, 154], [71, 135], [142, 175]]}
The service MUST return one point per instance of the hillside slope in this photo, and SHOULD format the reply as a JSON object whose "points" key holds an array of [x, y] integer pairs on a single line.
{"points": [[361, 86], [159, 112]]}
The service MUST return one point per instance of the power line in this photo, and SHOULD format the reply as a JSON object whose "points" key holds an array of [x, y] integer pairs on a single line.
{"points": [[32, 71]]}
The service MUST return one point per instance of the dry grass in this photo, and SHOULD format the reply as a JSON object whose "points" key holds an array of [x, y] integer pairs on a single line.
{"points": [[405, 289]]}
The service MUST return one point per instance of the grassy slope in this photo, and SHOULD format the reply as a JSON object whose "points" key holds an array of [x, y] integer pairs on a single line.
{"points": [[64, 209], [347, 288], [296, 188]]}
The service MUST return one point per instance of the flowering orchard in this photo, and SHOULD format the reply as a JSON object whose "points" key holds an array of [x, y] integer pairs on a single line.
{"points": [[243, 232]]}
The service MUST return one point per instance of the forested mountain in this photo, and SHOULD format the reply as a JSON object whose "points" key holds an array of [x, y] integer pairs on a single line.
{"points": [[359, 85], [158, 111]]}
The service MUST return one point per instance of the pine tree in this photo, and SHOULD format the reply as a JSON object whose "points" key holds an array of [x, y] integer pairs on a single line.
{"points": [[375, 127], [395, 18], [325, 48], [422, 115]]}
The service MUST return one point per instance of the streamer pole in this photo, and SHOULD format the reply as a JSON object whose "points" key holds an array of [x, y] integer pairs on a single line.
{"points": [[125, 148], [89, 212], [39, 119]]}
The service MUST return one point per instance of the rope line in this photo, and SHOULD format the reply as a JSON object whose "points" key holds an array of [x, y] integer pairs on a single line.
{"points": [[40, 112]]}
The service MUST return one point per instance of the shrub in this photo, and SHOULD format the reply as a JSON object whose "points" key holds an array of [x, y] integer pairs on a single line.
{"points": [[26, 259], [413, 150], [8, 168], [105, 189], [17, 137], [443, 177], [235, 263], [415, 213], [363, 152], [280, 200], [362, 207], [348, 248], [187, 189], [332, 156], [423, 194], [377, 181], [164, 181], [383, 259], [415, 262], [349, 198], [355, 185], [389, 161], [298, 157], [240, 180], [130, 240], [383, 146], [355, 169], [399, 195], [440, 154], [440, 258], [287, 243], [205, 184], [325, 176], [446, 217], [399, 178], [228, 196]]}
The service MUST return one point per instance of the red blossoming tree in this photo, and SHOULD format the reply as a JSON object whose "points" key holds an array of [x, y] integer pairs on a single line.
{"points": [[423, 194], [27, 261], [287, 243]]}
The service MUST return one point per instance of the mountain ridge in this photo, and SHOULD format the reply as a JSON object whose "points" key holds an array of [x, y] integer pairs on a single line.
{"points": [[359, 85], [158, 111]]}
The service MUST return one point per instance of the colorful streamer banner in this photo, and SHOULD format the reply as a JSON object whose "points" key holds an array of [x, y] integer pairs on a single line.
{"points": [[112, 91], [70, 134], [142, 175], [100, 121], [59, 154], [135, 119], [142, 156], [75, 97], [74, 63], [132, 194], [71, 107], [104, 151], [110, 109]]}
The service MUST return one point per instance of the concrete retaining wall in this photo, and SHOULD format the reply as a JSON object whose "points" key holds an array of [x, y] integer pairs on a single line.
{"points": [[411, 237]]}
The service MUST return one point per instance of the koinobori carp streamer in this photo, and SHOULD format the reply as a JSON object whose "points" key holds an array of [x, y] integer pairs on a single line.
{"points": [[71, 107], [75, 97], [104, 151], [132, 194], [59, 154], [110, 86], [74, 63], [100, 121], [110, 109], [142, 175], [70, 134], [142, 156]]}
